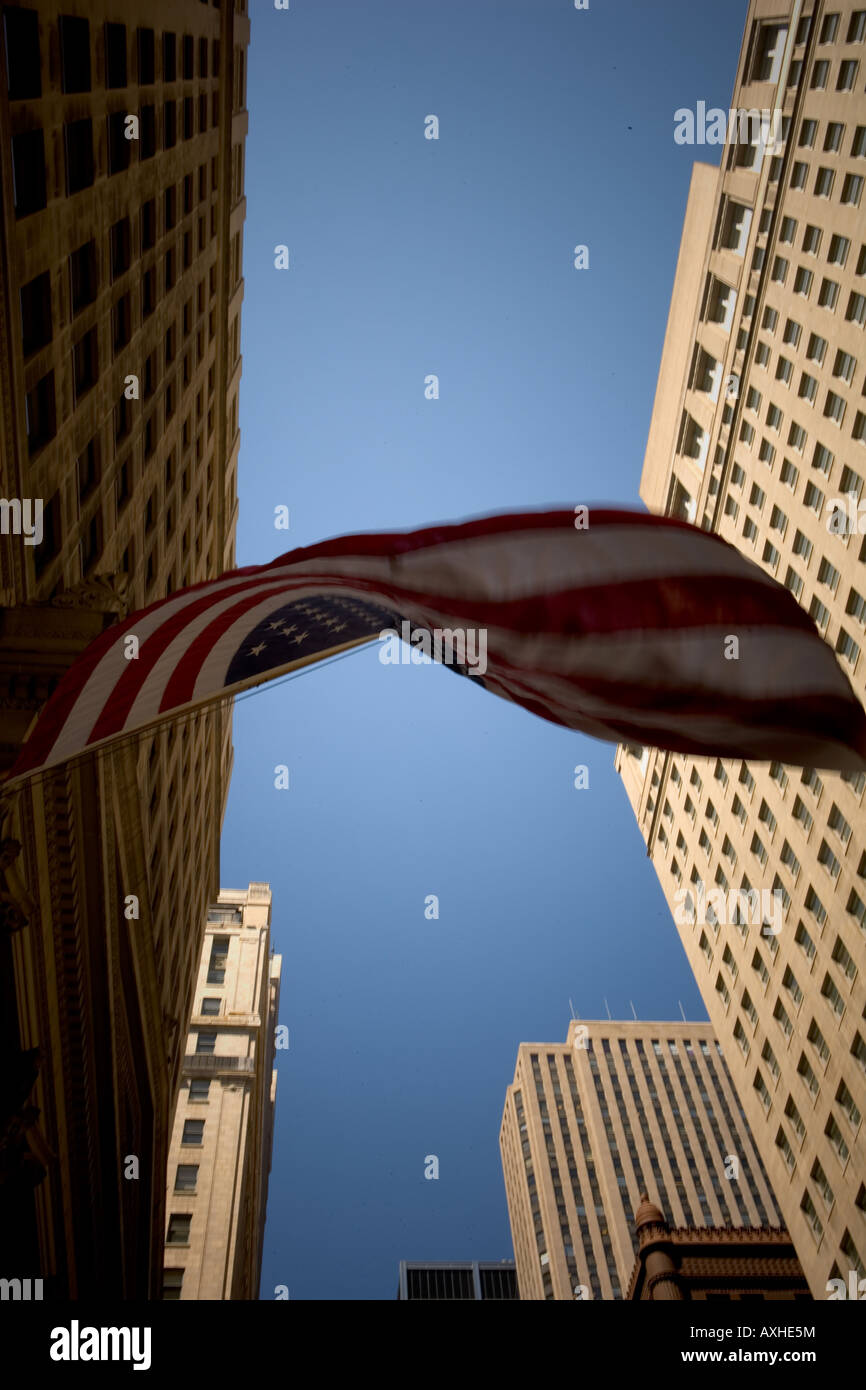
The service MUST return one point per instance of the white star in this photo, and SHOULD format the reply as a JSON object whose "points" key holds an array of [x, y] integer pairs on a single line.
{"points": [[301, 637], [254, 651]]}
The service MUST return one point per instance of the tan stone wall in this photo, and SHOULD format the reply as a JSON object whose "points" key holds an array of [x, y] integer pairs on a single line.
{"points": [[780, 829]]}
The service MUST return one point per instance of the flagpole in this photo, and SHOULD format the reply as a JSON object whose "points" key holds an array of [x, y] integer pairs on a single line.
{"points": [[249, 686]]}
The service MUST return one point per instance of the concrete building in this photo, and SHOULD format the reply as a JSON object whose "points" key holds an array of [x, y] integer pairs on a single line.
{"points": [[712, 1263], [591, 1124], [758, 427], [220, 1154], [475, 1280], [120, 296]]}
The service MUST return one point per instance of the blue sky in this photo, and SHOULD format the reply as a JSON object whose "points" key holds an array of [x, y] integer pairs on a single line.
{"points": [[455, 257]]}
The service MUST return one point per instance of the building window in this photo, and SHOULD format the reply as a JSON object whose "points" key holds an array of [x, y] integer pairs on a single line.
{"points": [[169, 125], [146, 58], [115, 55], [22, 53], [78, 136], [147, 132], [206, 1043], [120, 247], [169, 57], [50, 547], [40, 414], [199, 1089], [186, 1177], [193, 1132], [35, 306], [172, 1283], [75, 54], [210, 1006], [178, 1229], [85, 364]]}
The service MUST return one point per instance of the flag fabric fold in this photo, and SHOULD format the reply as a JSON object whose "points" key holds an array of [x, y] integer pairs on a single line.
{"points": [[620, 624]]}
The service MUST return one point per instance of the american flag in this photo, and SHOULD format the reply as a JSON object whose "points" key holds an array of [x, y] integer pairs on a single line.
{"points": [[620, 629]]}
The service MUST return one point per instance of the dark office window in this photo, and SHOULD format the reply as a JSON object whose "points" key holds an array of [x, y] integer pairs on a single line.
{"points": [[186, 1177], [88, 468], [210, 1006], [85, 364], [202, 182], [169, 57], [122, 419], [123, 484], [202, 57], [148, 293], [91, 543], [121, 323], [149, 437], [79, 155], [170, 269], [169, 199], [147, 132], [187, 194], [28, 172], [36, 313], [188, 120], [119, 148], [170, 344], [172, 1283], [40, 414], [202, 113], [169, 125], [149, 384], [187, 58], [22, 53], [193, 1130], [216, 58], [215, 109], [115, 55], [146, 59], [83, 276], [178, 1229], [75, 54], [148, 224], [120, 243], [50, 546], [206, 1043]]}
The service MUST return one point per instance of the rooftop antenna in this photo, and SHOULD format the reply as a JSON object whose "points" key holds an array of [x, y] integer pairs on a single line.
{"points": [[571, 1006], [633, 1011], [608, 1011], [682, 1010]]}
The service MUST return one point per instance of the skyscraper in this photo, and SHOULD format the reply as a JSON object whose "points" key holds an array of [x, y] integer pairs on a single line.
{"points": [[592, 1123], [477, 1281], [122, 131], [758, 432], [220, 1154]]}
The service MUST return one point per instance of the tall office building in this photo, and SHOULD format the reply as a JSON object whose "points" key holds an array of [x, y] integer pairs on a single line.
{"points": [[758, 425], [220, 1154], [591, 1124], [122, 129], [477, 1280]]}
